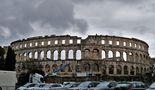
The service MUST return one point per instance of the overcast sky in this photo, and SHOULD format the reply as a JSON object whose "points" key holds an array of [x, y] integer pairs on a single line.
{"points": [[128, 18]]}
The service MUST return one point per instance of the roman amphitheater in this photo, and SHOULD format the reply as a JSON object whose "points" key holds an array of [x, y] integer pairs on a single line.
{"points": [[96, 55]]}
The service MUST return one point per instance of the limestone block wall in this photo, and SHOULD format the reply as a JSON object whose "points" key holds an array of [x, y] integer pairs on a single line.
{"points": [[105, 55]]}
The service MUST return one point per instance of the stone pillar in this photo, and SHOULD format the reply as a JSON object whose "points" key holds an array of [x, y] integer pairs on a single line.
{"points": [[107, 70], [66, 55], [129, 70], [59, 55], [74, 54], [121, 55], [52, 55], [115, 69], [39, 55], [45, 55], [106, 54], [122, 70]]}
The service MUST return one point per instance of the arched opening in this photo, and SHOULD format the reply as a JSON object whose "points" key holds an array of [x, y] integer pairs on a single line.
{"points": [[110, 54], [36, 55], [124, 56], [95, 54], [48, 54], [132, 70], [141, 69], [95, 68], [87, 53], [42, 55], [137, 58], [137, 70], [78, 55], [103, 56], [30, 55], [104, 69], [111, 69], [25, 56], [130, 56], [125, 70], [47, 68], [86, 67], [54, 68], [119, 69], [55, 55], [63, 55], [70, 55]]}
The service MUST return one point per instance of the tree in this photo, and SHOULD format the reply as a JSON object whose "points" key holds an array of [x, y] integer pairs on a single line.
{"points": [[2, 61], [10, 60]]}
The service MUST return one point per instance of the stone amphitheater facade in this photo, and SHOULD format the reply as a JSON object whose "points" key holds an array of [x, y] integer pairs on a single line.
{"points": [[95, 55]]}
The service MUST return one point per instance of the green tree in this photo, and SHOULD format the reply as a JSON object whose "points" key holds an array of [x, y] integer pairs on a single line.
{"points": [[2, 61], [10, 60]]}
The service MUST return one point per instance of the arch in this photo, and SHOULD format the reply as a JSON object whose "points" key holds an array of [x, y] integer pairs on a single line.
{"points": [[142, 70], [119, 69], [137, 70], [87, 53], [95, 53], [63, 55], [125, 56], [47, 68], [111, 69], [86, 67], [125, 70], [77, 68], [70, 54], [95, 67], [42, 55], [141, 58], [21, 56], [55, 55], [30, 55], [132, 70], [104, 69], [103, 56], [48, 54], [137, 57], [78, 55], [118, 54], [130, 56], [36, 55], [110, 54], [25, 56], [54, 67]]}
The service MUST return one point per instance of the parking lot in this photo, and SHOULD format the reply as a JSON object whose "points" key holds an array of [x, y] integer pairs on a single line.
{"points": [[89, 85]]}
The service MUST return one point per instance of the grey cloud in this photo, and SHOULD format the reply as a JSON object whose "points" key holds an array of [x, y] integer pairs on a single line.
{"points": [[17, 15]]}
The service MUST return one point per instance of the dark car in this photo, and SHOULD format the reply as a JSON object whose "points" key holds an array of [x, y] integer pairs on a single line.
{"points": [[85, 85], [152, 86], [123, 86], [106, 85], [136, 85], [130, 86]]}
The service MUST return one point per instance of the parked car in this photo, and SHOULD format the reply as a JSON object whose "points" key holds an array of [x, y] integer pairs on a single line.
{"points": [[152, 86], [26, 86], [71, 85], [106, 85], [135, 85], [37, 86], [123, 86], [85, 85]]}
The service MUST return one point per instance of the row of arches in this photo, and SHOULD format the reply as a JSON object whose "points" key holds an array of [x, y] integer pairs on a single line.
{"points": [[123, 55], [77, 54], [104, 69], [55, 55]]}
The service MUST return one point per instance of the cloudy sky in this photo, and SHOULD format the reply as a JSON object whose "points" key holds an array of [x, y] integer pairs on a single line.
{"points": [[128, 18]]}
